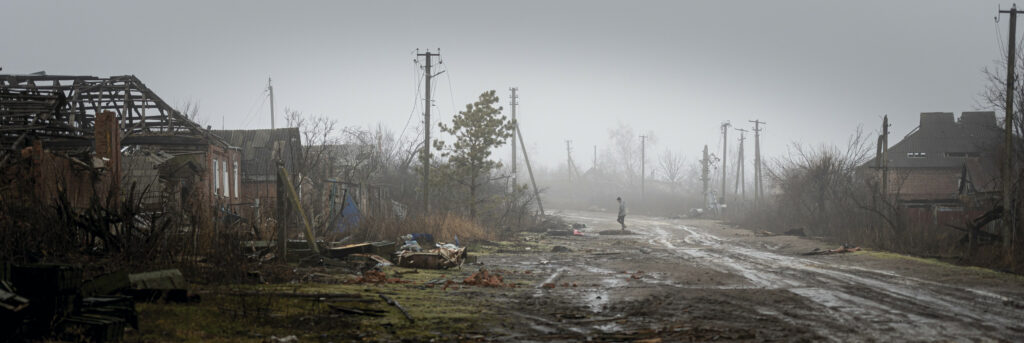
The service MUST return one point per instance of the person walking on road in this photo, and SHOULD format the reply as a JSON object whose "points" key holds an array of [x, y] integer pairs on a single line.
{"points": [[622, 212]]}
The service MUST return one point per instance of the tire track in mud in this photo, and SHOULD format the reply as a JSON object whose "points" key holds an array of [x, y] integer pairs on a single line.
{"points": [[856, 302], [918, 309]]}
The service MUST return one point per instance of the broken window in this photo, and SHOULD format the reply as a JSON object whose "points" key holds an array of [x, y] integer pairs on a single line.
{"points": [[216, 176], [236, 178], [227, 185]]}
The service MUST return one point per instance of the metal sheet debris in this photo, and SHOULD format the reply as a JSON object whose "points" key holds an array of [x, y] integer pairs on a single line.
{"points": [[440, 258]]}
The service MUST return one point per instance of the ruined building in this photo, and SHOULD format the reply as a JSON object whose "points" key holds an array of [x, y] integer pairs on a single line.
{"points": [[87, 135], [262, 150]]}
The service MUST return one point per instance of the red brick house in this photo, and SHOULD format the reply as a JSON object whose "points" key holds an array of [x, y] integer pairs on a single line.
{"points": [[946, 170], [928, 165]]}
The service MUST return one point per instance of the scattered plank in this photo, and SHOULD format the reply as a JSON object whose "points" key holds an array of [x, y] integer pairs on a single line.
{"points": [[370, 313], [395, 303], [296, 295]]}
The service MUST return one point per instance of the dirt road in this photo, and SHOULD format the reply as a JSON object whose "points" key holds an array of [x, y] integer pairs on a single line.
{"points": [[682, 280]]}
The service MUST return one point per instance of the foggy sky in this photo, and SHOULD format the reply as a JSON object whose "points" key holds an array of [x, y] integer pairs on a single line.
{"points": [[813, 70]]}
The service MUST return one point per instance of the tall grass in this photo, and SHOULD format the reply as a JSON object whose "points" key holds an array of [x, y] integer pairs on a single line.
{"points": [[444, 228]]}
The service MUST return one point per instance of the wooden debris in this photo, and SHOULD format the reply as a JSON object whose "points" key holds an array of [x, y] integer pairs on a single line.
{"points": [[395, 303], [326, 296], [371, 313]]}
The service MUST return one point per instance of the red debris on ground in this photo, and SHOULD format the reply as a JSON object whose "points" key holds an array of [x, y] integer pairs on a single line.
{"points": [[483, 278], [373, 276], [636, 276], [549, 285]]}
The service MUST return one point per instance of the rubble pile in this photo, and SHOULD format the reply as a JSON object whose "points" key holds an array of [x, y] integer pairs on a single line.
{"points": [[51, 301], [486, 279]]}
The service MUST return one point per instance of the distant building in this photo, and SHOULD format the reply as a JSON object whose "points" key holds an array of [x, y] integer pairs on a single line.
{"points": [[944, 158], [945, 172], [261, 150]]}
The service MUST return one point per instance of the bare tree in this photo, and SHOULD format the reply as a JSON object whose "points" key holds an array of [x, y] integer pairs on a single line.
{"points": [[190, 109], [671, 166], [818, 184], [319, 136]]}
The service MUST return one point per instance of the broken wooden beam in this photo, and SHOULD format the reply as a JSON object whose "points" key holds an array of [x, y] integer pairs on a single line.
{"points": [[395, 303]]}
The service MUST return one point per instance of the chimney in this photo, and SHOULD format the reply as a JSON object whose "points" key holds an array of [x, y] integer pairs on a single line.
{"points": [[107, 134], [108, 137]]}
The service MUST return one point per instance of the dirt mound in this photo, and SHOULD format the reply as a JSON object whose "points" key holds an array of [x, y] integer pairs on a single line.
{"points": [[559, 248], [485, 279]]}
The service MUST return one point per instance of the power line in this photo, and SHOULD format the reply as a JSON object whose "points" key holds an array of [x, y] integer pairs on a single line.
{"points": [[415, 101]]}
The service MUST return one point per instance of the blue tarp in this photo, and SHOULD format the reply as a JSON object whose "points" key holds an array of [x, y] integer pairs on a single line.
{"points": [[349, 215]]}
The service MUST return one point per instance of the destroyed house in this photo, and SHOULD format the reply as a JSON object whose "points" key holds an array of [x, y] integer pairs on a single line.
{"points": [[944, 158], [115, 127], [261, 151]]}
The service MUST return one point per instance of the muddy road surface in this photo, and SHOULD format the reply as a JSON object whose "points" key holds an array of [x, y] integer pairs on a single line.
{"points": [[699, 280]]}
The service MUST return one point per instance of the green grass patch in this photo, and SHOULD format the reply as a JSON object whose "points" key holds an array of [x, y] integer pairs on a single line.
{"points": [[935, 262], [226, 316]]}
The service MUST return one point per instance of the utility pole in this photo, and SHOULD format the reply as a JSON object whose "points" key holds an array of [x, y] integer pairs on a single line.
{"points": [[526, 158], [643, 164], [568, 158], [758, 183], [595, 158], [1011, 60], [741, 187], [885, 155], [425, 156], [704, 177], [725, 144], [515, 176], [270, 88]]}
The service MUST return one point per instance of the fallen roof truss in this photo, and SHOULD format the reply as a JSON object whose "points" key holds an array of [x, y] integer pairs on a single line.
{"points": [[65, 108]]}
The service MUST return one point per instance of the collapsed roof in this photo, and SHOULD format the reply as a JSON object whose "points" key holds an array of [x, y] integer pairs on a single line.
{"points": [[61, 110]]}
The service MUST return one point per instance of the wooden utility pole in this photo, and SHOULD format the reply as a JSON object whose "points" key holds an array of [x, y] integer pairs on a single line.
{"points": [[425, 156], [595, 158], [758, 183], [725, 144], [643, 165], [270, 88], [741, 187], [526, 158], [885, 155], [1011, 61], [568, 158], [704, 174], [515, 128], [282, 216]]}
